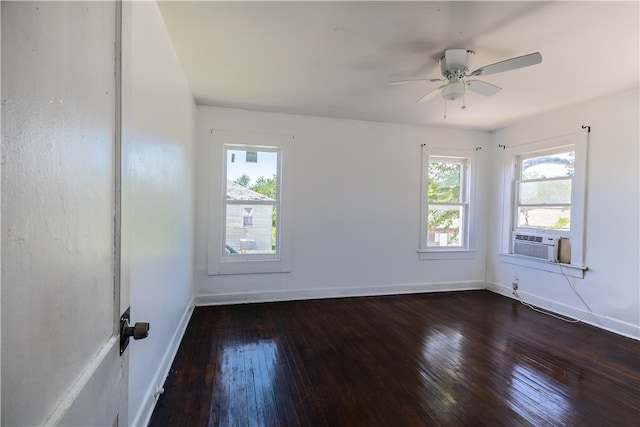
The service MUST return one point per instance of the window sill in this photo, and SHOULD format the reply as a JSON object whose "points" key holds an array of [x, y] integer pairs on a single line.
{"points": [[249, 267], [557, 268], [446, 254]]}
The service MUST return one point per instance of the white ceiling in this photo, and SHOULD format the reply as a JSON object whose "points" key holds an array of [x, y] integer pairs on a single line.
{"points": [[334, 59]]}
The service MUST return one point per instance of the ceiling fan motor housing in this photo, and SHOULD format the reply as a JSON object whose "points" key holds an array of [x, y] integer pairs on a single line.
{"points": [[455, 62]]}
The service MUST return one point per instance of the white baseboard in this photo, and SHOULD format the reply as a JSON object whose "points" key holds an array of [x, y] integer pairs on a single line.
{"points": [[334, 292], [143, 415], [612, 325]]}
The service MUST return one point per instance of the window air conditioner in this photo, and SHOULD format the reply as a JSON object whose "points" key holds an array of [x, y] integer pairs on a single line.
{"points": [[539, 246]]}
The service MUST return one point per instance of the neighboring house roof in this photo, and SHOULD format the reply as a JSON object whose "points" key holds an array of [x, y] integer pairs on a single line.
{"points": [[236, 191]]}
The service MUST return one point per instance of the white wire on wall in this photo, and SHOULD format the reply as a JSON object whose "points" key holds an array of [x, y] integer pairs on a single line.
{"points": [[548, 313]]}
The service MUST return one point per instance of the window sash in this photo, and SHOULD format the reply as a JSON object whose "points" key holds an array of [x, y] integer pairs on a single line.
{"points": [[461, 226], [519, 182], [552, 199], [461, 176], [275, 255], [542, 154], [556, 218], [427, 240]]}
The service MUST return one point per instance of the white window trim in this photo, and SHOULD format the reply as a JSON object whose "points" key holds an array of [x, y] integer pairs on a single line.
{"points": [[558, 268], [577, 142], [217, 263], [442, 253]]}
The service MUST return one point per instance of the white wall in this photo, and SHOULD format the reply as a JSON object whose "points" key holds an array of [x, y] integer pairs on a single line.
{"points": [[158, 199], [356, 224], [611, 286]]}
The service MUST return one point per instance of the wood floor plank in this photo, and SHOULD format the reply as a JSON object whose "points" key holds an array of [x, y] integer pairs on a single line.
{"points": [[444, 359]]}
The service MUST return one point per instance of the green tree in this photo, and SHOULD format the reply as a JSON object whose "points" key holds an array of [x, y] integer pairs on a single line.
{"points": [[265, 186], [444, 187], [243, 180], [561, 223], [444, 182]]}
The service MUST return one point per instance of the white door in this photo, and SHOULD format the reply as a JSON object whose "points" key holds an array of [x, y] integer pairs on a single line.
{"points": [[61, 297]]}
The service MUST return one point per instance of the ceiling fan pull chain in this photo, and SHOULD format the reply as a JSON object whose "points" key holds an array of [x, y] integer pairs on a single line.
{"points": [[445, 108]]}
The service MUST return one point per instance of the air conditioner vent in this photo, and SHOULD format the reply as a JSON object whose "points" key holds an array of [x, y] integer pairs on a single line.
{"points": [[538, 246], [529, 238]]}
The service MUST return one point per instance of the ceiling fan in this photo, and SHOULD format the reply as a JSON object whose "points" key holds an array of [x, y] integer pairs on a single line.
{"points": [[455, 70]]}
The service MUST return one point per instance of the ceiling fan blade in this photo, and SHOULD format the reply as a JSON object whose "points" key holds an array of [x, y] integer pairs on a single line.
{"points": [[509, 64], [401, 82], [483, 88], [430, 95]]}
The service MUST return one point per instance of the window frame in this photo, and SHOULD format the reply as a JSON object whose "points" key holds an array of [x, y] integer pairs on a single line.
{"points": [[225, 202], [518, 162], [218, 262], [467, 188], [576, 142]]}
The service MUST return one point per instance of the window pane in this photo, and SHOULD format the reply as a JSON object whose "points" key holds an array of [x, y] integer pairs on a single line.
{"points": [[444, 182], [251, 229], [236, 191], [252, 175], [554, 218], [554, 192], [444, 227], [550, 166]]}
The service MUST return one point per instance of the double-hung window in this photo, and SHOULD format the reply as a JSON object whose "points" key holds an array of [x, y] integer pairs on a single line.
{"points": [[545, 187], [543, 190], [250, 205], [251, 202], [446, 201]]}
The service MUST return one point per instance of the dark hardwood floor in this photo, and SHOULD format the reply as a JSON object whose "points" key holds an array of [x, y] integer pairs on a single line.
{"points": [[443, 359]]}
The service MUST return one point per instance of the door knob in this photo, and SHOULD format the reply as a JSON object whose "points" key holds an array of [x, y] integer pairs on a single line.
{"points": [[138, 331]]}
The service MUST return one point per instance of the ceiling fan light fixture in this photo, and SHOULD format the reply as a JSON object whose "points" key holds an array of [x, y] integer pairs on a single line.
{"points": [[453, 91]]}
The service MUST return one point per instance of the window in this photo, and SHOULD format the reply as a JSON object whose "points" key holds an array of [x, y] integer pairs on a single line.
{"points": [[250, 205], [446, 201], [543, 190], [250, 208], [545, 187]]}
